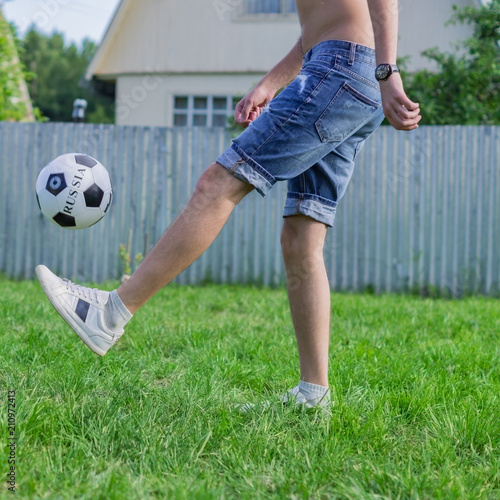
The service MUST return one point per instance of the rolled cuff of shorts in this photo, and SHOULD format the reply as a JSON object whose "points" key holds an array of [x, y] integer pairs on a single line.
{"points": [[244, 168], [313, 206]]}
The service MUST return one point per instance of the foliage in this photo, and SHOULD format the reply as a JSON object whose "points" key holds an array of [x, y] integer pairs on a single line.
{"points": [[59, 69], [466, 88], [234, 128], [126, 260], [12, 107], [415, 384]]}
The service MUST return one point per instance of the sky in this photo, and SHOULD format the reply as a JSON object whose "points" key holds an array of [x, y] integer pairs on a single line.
{"points": [[77, 19]]}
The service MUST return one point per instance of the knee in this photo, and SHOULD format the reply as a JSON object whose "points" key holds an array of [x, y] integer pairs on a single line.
{"points": [[209, 182], [294, 248], [302, 243], [216, 182]]}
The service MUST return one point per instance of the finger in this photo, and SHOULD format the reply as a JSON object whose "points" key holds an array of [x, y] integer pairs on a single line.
{"points": [[394, 118], [409, 125], [399, 124], [239, 106], [406, 127], [402, 116], [418, 119], [253, 115], [408, 115], [246, 108], [411, 122], [237, 112], [409, 105]]}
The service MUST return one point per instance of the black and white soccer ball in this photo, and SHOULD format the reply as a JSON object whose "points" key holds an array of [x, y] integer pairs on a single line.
{"points": [[74, 191]]}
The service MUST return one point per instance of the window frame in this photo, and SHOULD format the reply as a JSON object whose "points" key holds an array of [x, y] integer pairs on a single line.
{"points": [[210, 112], [242, 15]]}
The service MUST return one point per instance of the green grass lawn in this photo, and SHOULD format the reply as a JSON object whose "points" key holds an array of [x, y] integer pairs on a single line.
{"points": [[416, 385]]}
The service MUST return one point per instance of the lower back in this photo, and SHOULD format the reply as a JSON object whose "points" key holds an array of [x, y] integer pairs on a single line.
{"points": [[335, 20]]}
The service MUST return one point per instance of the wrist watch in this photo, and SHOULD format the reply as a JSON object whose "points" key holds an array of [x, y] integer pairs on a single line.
{"points": [[384, 71]]}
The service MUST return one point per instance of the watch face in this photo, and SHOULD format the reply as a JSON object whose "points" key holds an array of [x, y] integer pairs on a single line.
{"points": [[382, 72]]}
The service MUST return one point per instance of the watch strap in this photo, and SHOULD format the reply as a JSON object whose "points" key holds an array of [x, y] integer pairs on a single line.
{"points": [[389, 68]]}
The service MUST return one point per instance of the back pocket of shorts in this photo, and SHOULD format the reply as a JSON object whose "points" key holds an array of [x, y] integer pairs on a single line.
{"points": [[348, 110]]}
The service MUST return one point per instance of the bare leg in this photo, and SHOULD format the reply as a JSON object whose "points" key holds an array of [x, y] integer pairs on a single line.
{"points": [[216, 194], [302, 242]]}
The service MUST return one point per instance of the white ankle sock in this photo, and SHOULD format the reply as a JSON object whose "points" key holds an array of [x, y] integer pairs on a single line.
{"points": [[315, 394], [116, 314]]}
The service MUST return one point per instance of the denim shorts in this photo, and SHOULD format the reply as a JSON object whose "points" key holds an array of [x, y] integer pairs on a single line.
{"points": [[311, 133]]}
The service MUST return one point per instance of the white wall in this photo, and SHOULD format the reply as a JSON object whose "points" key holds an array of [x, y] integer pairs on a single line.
{"points": [[189, 36], [148, 100], [163, 48], [422, 26]]}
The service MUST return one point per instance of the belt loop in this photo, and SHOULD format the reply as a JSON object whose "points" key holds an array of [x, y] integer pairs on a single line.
{"points": [[352, 55]]}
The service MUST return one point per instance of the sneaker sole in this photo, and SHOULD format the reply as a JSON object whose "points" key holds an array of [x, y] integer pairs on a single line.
{"points": [[69, 317]]}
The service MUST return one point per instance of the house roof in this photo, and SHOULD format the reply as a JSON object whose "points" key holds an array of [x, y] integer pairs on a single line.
{"points": [[192, 36], [108, 36]]}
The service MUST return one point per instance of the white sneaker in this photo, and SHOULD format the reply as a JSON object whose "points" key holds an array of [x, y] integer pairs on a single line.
{"points": [[293, 398], [82, 308]]}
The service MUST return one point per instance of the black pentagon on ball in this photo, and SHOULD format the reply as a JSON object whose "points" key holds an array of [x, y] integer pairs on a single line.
{"points": [[85, 160], [65, 220], [55, 184], [93, 196]]}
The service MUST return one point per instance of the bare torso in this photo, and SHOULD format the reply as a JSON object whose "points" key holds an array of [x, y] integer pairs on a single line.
{"points": [[335, 20]]}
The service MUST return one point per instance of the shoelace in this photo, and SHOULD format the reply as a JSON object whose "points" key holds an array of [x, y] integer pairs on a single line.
{"points": [[91, 294]]}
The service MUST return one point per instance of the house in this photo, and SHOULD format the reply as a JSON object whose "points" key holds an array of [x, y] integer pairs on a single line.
{"points": [[19, 106], [185, 63]]}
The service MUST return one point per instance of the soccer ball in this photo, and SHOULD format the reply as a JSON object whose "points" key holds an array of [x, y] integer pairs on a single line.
{"points": [[74, 191]]}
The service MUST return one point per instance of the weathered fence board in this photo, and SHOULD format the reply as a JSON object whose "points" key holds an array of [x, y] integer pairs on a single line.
{"points": [[422, 211]]}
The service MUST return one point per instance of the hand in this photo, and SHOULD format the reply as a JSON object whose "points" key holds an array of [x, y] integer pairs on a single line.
{"points": [[251, 106], [402, 113]]}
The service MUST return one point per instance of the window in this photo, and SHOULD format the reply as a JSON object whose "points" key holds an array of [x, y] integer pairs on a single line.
{"points": [[203, 111], [277, 7]]}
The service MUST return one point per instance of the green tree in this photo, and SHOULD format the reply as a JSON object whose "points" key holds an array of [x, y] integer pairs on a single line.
{"points": [[13, 105], [59, 69], [466, 88]]}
